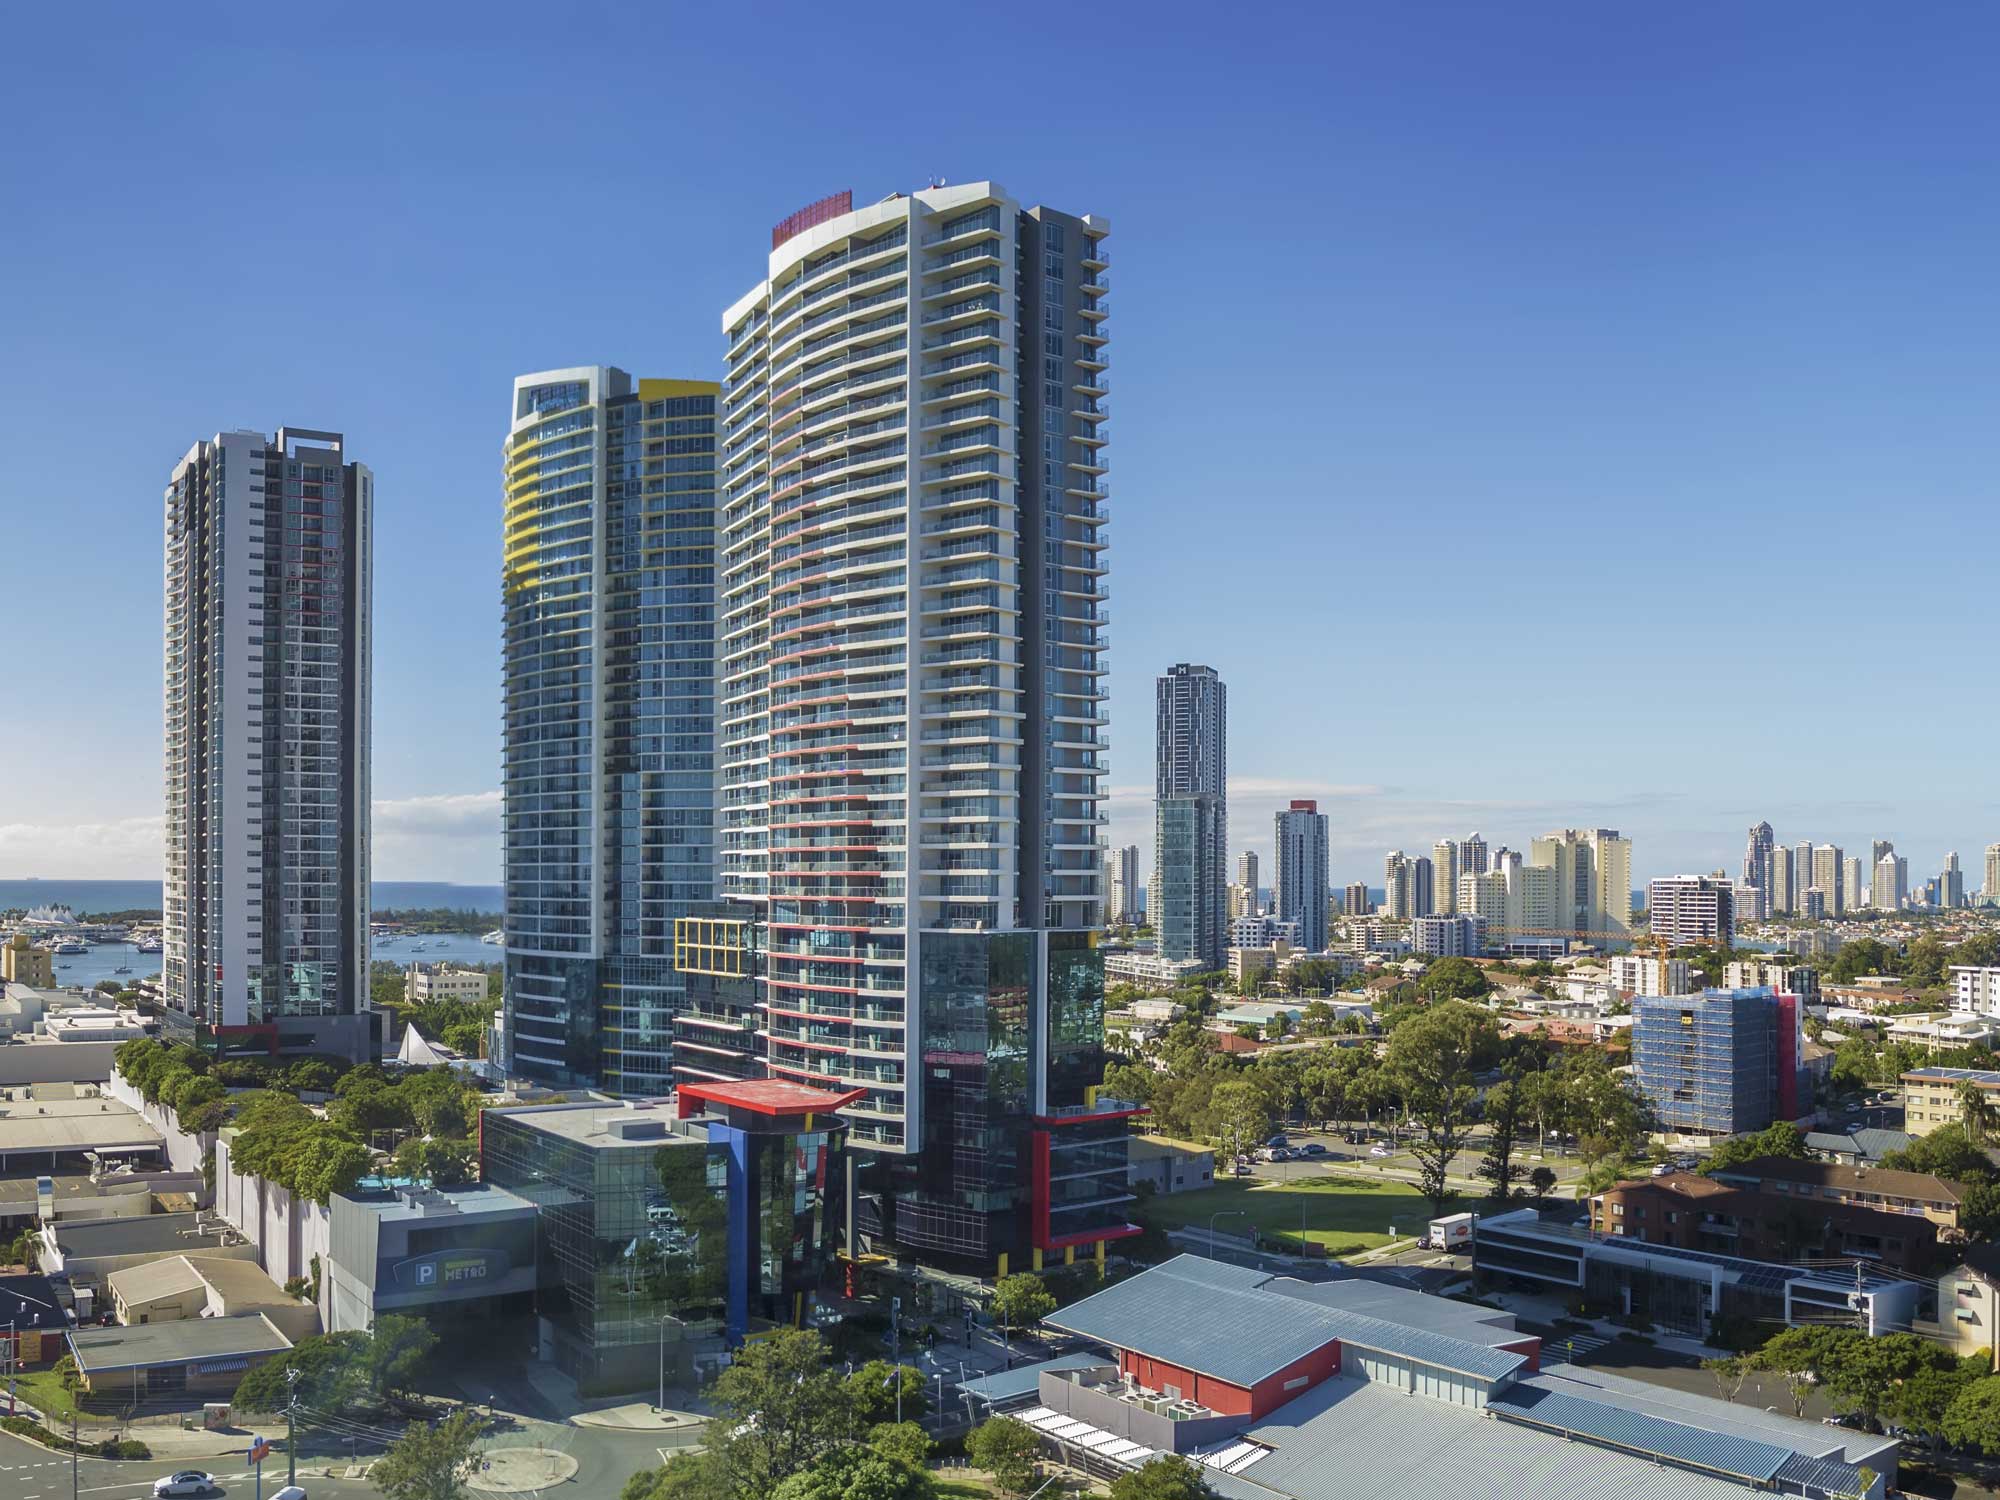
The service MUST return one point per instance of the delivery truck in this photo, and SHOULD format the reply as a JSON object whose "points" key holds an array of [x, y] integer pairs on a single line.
{"points": [[1453, 1232]]}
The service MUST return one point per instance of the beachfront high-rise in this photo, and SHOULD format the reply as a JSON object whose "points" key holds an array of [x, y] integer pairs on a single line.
{"points": [[267, 729], [1301, 884], [912, 723], [608, 596]]}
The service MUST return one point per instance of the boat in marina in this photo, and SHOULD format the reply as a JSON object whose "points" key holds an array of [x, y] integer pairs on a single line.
{"points": [[496, 937]]}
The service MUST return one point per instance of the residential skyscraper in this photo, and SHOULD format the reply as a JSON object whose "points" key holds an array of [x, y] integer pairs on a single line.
{"points": [[1951, 883], [1355, 901], [608, 746], [1191, 766], [1757, 860], [269, 547], [1803, 874], [1593, 879], [1423, 887], [1722, 1061], [1246, 876], [1444, 872], [1472, 856], [1781, 897], [1855, 890], [1121, 901], [1879, 848], [1300, 888], [911, 704], [1990, 888], [1829, 874], [1396, 884], [1690, 909]]}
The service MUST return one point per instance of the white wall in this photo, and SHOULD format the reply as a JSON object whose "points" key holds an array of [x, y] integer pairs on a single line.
{"points": [[287, 1231], [184, 1151]]}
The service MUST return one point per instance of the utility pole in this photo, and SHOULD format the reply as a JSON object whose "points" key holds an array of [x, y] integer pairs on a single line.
{"points": [[291, 1430], [74, 1481], [896, 1349]]}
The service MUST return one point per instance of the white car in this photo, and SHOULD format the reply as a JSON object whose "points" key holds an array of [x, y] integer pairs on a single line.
{"points": [[187, 1482], [291, 1492], [1380, 1151], [1660, 1169]]}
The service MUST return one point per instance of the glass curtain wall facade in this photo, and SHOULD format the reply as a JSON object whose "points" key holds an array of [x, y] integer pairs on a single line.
{"points": [[608, 593], [268, 547]]}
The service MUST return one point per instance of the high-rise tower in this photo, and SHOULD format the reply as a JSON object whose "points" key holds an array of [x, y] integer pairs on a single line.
{"points": [[1191, 813], [912, 715], [608, 596], [1301, 884], [267, 731]]}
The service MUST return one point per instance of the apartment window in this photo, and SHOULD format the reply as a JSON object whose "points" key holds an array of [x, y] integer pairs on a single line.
{"points": [[1052, 316], [1052, 395], [1052, 289], [1052, 236], [1052, 369], [1052, 344]]}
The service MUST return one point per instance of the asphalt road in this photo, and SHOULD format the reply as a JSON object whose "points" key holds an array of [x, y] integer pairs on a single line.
{"points": [[28, 1471]]}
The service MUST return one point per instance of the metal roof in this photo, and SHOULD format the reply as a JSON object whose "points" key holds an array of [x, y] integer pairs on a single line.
{"points": [[1025, 1380], [1641, 1434], [178, 1341], [1228, 1322], [1348, 1437]]}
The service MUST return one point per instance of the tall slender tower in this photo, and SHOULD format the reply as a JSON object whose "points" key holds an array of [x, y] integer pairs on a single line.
{"points": [[608, 595], [1757, 872], [912, 721], [1301, 883], [1191, 811], [1444, 872], [267, 731]]}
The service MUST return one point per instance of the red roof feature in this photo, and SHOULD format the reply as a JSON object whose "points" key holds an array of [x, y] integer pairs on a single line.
{"points": [[769, 1096]]}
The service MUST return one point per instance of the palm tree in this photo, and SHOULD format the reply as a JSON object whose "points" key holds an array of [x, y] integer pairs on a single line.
{"points": [[1978, 1111]]}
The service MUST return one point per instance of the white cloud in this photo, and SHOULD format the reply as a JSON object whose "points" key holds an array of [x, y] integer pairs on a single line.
{"points": [[453, 815], [123, 849]]}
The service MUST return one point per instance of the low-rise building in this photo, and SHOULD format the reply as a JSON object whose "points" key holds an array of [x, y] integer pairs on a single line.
{"points": [[1911, 1194], [1646, 974], [72, 1134], [204, 1286], [182, 1357], [1167, 1165], [445, 1253], [1790, 979], [426, 982], [1288, 1390], [1692, 1292], [1931, 1096], [1757, 1222], [1131, 966], [1449, 936], [1940, 1029], [1855, 1148], [86, 1252], [1968, 1304], [21, 962]]}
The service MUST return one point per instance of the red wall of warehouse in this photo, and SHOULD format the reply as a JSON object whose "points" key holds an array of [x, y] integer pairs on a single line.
{"points": [[1532, 1347], [1233, 1400]]}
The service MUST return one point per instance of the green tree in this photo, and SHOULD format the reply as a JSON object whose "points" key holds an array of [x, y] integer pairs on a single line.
{"points": [[1862, 956], [1242, 1117], [854, 1473], [1021, 1300], [1541, 1182], [1006, 1449], [332, 1374], [1729, 1376], [396, 1351], [699, 1475], [781, 1409], [1167, 1477], [1973, 1418], [1504, 1106], [440, 1163], [1946, 1152], [905, 1440], [871, 1390], [1454, 979], [1432, 1057], [429, 1462], [1781, 1139]]}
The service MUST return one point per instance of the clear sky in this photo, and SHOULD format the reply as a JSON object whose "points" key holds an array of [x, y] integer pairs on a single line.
{"points": [[1544, 414]]}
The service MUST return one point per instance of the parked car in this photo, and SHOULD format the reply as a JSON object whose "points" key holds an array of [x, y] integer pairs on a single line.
{"points": [[1380, 1151], [291, 1492], [1276, 1140], [1313, 1148], [186, 1482], [1661, 1169]]}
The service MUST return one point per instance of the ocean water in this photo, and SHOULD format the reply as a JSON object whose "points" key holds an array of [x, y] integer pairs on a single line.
{"points": [[104, 960], [137, 895]]}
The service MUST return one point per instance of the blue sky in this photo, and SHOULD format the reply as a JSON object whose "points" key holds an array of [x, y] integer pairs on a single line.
{"points": [[1542, 414]]}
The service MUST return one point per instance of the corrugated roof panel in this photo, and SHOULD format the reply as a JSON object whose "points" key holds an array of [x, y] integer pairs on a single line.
{"points": [[1821, 1473], [1720, 1453]]}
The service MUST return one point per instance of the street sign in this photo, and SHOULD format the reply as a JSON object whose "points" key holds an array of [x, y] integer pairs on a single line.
{"points": [[260, 1449]]}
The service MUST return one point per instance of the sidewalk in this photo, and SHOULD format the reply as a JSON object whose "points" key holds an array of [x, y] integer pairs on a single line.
{"points": [[641, 1416]]}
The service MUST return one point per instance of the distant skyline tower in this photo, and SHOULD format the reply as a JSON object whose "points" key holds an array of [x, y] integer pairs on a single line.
{"points": [[1804, 877], [1757, 871], [1300, 886], [1829, 876], [1122, 885], [1444, 874], [608, 737], [1246, 877], [1472, 854], [1355, 900], [267, 668], [1951, 883], [1191, 819]]}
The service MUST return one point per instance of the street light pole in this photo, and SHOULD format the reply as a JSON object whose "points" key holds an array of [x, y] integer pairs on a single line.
{"points": [[291, 1427], [1221, 1213]]}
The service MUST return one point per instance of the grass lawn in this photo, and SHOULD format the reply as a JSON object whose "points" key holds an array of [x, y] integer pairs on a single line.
{"points": [[43, 1390], [1344, 1214]]}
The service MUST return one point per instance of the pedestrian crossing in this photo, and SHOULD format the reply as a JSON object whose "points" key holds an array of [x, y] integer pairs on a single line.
{"points": [[1570, 1348]]}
